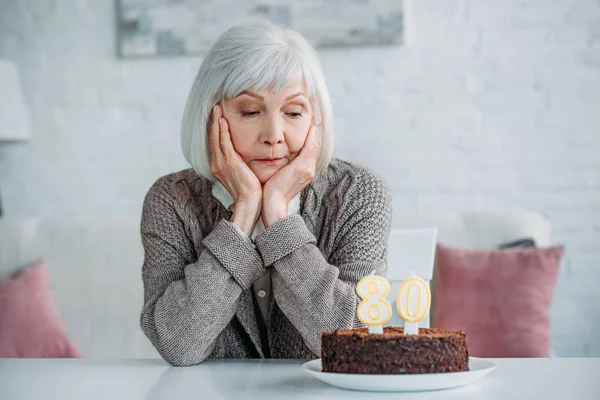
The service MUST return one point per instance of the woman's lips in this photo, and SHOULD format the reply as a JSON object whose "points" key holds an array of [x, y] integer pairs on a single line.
{"points": [[269, 161]]}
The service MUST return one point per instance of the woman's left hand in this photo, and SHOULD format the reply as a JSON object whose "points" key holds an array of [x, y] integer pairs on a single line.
{"points": [[282, 187]]}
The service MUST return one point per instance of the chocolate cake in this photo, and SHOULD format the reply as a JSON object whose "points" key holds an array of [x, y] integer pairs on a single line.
{"points": [[356, 351]]}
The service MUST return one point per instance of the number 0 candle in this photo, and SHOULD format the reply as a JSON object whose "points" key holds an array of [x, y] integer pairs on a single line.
{"points": [[413, 302], [374, 310]]}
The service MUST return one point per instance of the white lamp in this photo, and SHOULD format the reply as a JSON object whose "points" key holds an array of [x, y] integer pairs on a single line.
{"points": [[14, 116]]}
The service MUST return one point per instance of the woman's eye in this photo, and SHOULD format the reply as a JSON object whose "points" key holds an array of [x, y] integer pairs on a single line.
{"points": [[254, 113]]}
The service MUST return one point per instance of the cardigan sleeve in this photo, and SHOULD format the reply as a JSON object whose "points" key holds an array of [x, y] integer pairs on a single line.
{"points": [[318, 294], [190, 298]]}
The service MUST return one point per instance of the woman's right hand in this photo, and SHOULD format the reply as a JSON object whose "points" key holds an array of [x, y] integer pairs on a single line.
{"points": [[229, 168]]}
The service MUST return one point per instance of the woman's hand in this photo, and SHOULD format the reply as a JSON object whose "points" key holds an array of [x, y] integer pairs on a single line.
{"points": [[282, 187], [229, 168]]}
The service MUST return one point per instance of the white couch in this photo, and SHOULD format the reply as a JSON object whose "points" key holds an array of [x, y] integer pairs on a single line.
{"points": [[95, 267]]}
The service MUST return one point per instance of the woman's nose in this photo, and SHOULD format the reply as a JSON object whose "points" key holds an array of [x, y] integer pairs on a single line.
{"points": [[272, 132]]}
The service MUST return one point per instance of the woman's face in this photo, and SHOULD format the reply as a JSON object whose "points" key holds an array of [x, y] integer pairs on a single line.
{"points": [[268, 129]]}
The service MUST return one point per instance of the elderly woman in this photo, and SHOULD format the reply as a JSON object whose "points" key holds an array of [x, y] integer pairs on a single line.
{"points": [[257, 249]]}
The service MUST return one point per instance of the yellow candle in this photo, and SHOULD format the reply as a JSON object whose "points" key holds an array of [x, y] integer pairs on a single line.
{"points": [[413, 302], [374, 310]]}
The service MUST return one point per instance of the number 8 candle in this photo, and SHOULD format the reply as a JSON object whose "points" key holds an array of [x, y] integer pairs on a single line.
{"points": [[374, 310], [413, 312]]}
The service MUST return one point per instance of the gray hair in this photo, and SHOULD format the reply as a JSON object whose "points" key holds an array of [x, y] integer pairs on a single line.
{"points": [[253, 56]]}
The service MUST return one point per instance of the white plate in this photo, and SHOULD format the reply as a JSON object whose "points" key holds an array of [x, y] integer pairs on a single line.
{"points": [[478, 367]]}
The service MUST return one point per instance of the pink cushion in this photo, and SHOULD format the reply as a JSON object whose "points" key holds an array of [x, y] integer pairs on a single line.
{"points": [[500, 298], [30, 325]]}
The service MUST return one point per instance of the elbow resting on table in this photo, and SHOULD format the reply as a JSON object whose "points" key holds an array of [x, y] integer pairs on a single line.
{"points": [[177, 352]]}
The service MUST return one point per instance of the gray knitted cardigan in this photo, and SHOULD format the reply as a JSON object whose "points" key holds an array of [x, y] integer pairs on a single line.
{"points": [[198, 269]]}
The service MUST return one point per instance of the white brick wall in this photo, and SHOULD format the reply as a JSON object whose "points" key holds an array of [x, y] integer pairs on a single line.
{"points": [[494, 103]]}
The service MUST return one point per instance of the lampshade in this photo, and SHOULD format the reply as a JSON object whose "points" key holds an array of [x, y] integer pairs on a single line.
{"points": [[14, 116]]}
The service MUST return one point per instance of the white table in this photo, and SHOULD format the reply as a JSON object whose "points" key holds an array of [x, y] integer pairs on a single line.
{"points": [[556, 378]]}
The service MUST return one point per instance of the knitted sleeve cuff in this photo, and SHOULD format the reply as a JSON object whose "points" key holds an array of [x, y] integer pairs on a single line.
{"points": [[283, 238], [236, 254], [242, 234]]}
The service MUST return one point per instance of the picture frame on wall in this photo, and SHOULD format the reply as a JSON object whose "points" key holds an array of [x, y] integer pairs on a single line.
{"points": [[159, 28]]}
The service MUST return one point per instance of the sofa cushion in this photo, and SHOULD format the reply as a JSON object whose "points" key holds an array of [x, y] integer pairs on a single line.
{"points": [[500, 298], [30, 325], [480, 229]]}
